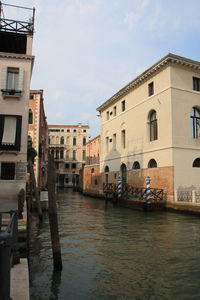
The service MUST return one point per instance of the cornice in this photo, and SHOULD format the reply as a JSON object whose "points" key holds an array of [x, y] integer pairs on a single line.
{"points": [[169, 59], [17, 56]]}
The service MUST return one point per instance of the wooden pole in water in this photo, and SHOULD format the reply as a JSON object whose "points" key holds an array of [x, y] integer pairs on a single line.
{"points": [[53, 219]]}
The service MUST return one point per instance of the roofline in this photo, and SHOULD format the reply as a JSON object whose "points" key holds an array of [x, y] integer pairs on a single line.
{"points": [[15, 55], [95, 138], [170, 58], [61, 126]]}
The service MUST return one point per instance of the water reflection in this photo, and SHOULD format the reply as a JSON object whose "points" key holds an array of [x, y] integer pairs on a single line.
{"points": [[116, 253]]}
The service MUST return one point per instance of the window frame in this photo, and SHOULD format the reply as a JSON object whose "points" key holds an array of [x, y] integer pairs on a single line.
{"points": [[123, 103], [17, 145], [196, 84], [151, 89], [153, 126]]}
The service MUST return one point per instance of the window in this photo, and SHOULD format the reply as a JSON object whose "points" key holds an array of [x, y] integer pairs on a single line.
{"points": [[92, 171], [74, 130], [124, 138], [62, 140], [74, 141], [123, 105], [7, 171], [84, 141], [107, 144], [84, 155], [195, 123], [57, 154], [74, 155], [67, 154], [68, 130], [152, 163], [153, 126], [73, 165], [106, 170], [31, 97], [61, 154], [114, 140], [67, 166], [84, 130], [107, 115], [30, 116], [115, 111], [196, 84], [12, 81], [10, 132], [151, 88], [196, 163], [136, 165]]}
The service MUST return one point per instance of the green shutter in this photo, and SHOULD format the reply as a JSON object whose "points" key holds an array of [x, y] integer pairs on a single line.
{"points": [[21, 80]]}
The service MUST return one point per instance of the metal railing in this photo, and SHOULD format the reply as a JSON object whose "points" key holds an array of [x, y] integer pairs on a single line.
{"points": [[8, 248]]}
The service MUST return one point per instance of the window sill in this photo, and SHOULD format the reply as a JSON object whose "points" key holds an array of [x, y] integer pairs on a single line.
{"points": [[11, 94]]}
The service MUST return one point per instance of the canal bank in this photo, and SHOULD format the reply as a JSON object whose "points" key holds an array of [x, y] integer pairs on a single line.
{"points": [[110, 252]]}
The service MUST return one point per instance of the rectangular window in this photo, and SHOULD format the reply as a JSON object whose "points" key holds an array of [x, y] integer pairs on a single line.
{"points": [[107, 144], [107, 115], [151, 88], [123, 105], [123, 138], [74, 155], [115, 111], [74, 141], [73, 166], [114, 140], [12, 81], [196, 84], [84, 155], [31, 97], [12, 78], [7, 171], [67, 166], [10, 132], [84, 141], [68, 130]]}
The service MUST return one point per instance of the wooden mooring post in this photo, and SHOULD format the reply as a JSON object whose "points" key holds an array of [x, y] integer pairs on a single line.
{"points": [[53, 219]]}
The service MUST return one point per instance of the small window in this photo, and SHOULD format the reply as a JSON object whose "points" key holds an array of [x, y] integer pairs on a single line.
{"points": [[62, 140], [123, 138], [123, 105], [74, 141], [114, 111], [196, 84], [68, 130], [151, 88], [107, 115], [74, 130], [66, 180], [152, 163], [84, 130], [30, 116], [73, 166], [106, 170], [92, 171], [84, 141], [196, 163], [67, 166], [7, 171], [31, 97], [107, 144], [114, 141], [136, 165]]}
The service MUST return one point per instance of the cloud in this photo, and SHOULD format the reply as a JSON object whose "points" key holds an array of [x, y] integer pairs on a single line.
{"points": [[132, 19]]}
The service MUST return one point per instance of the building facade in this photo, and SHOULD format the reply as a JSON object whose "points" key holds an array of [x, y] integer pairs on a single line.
{"points": [[38, 135], [151, 127], [16, 63], [68, 145]]}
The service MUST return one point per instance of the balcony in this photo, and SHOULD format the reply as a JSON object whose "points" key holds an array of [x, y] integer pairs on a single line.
{"points": [[11, 93]]}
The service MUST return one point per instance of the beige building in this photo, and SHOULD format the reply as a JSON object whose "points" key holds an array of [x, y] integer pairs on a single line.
{"points": [[68, 145], [151, 127], [16, 63]]}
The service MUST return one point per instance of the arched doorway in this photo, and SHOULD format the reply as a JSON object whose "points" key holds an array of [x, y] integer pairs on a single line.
{"points": [[123, 172]]}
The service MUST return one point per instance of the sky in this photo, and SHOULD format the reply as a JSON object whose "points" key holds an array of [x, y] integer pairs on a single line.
{"points": [[87, 50]]}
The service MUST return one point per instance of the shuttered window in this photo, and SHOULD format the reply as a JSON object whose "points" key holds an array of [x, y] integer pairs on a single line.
{"points": [[12, 82], [10, 132]]}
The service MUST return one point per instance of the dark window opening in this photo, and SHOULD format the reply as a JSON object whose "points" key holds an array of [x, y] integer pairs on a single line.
{"points": [[73, 166], [123, 105], [153, 126], [136, 165], [30, 116], [10, 132], [196, 163], [195, 120], [67, 166], [196, 84], [7, 171], [152, 163], [151, 88]]}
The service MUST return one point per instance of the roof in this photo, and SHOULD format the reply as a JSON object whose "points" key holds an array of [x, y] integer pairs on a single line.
{"points": [[157, 67], [70, 126]]}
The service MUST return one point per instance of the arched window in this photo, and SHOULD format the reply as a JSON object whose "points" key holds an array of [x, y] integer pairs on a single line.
{"points": [[153, 127], [92, 171], [62, 140], [30, 116], [136, 165], [106, 170], [152, 163], [195, 122], [196, 163]]}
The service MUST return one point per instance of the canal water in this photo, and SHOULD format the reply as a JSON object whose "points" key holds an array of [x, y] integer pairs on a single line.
{"points": [[115, 253]]}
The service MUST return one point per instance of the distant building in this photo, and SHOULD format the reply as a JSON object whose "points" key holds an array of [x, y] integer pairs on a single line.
{"points": [[16, 63], [38, 135], [151, 127], [92, 151], [68, 145]]}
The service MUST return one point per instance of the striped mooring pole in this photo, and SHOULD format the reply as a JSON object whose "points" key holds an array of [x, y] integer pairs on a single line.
{"points": [[119, 186], [148, 191]]}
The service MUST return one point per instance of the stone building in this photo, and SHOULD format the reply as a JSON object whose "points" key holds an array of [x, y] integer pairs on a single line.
{"points": [[16, 63], [92, 178], [151, 127], [68, 145], [38, 135]]}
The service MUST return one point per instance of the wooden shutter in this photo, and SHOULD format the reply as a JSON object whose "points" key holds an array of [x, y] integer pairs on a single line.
{"points": [[21, 80], [4, 77]]}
